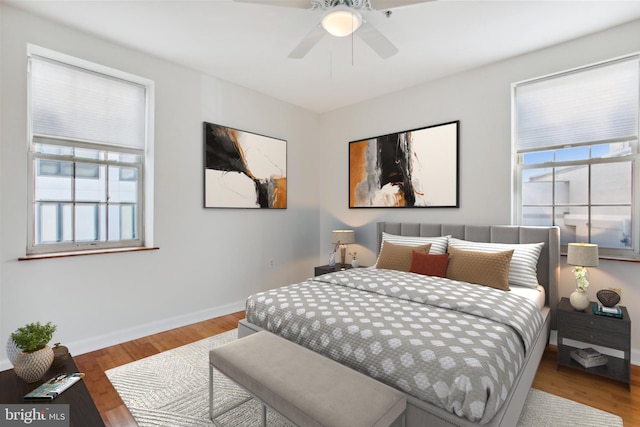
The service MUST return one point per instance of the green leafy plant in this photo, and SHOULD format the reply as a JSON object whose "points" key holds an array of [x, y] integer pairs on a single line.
{"points": [[33, 336]]}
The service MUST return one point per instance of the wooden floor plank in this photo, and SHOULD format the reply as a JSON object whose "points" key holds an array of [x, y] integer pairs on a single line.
{"points": [[598, 392]]}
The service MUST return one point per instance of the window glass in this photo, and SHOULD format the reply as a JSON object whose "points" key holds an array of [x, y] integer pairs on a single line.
{"points": [[537, 187], [573, 153], [90, 183], [56, 183], [572, 185], [537, 157], [611, 183], [611, 226], [123, 184]]}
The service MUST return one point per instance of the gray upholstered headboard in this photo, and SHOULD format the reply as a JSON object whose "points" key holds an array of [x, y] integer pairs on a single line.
{"points": [[548, 263]]}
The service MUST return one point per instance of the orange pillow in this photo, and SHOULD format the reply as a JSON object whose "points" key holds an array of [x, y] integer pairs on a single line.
{"points": [[398, 257], [429, 264]]}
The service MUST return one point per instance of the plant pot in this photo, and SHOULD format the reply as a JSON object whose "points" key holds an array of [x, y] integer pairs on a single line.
{"points": [[579, 300], [32, 366]]}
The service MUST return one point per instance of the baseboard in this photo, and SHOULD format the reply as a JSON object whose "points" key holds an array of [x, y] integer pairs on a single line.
{"points": [[124, 335]]}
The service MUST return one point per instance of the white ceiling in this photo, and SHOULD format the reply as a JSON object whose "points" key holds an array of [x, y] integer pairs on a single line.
{"points": [[248, 44]]}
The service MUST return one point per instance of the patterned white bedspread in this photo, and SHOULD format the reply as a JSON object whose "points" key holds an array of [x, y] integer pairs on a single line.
{"points": [[456, 345]]}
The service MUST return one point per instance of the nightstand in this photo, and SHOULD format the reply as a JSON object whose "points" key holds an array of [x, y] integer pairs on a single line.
{"points": [[603, 331], [324, 269], [82, 409]]}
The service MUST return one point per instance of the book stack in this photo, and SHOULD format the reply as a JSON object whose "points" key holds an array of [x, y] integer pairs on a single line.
{"points": [[601, 310], [589, 357]]}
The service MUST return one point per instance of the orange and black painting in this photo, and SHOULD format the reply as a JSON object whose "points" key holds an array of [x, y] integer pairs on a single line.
{"points": [[417, 168], [243, 169]]}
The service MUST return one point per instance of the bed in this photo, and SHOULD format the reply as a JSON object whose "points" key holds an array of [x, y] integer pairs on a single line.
{"points": [[421, 333]]}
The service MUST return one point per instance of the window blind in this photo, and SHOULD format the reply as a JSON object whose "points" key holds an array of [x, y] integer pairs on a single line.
{"points": [[597, 104], [70, 102]]}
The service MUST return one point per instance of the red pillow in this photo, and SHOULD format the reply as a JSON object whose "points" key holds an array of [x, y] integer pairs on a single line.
{"points": [[429, 264]]}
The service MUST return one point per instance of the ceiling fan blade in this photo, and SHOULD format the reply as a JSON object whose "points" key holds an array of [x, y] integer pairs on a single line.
{"points": [[376, 41], [308, 42], [390, 4], [298, 4]]}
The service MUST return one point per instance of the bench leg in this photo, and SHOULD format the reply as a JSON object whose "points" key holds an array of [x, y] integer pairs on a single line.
{"points": [[211, 393], [212, 411]]}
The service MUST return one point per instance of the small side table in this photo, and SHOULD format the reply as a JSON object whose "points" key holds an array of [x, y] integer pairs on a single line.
{"points": [[324, 269], [83, 411], [603, 331]]}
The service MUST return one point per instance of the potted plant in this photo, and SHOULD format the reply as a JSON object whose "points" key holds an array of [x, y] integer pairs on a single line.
{"points": [[35, 357]]}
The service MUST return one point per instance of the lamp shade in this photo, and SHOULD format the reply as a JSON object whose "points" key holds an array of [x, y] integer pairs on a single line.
{"points": [[343, 236], [582, 254], [341, 21]]}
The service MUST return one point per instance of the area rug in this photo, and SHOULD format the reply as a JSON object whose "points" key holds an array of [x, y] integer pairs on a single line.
{"points": [[171, 389]]}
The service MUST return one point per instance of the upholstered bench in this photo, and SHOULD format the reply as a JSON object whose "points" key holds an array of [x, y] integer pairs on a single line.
{"points": [[303, 386]]}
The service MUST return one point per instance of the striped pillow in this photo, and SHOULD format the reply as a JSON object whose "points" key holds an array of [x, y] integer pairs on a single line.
{"points": [[438, 244], [523, 268]]}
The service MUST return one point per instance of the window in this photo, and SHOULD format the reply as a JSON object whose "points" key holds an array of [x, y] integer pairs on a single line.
{"points": [[87, 155], [576, 154]]}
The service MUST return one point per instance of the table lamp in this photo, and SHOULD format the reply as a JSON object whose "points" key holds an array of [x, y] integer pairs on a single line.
{"points": [[343, 238]]}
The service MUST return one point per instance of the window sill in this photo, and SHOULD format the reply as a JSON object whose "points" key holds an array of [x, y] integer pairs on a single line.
{"points": [[85, 252]]}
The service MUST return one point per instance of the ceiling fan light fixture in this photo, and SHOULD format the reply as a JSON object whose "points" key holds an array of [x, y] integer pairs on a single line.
{"points": [[341, 21]]}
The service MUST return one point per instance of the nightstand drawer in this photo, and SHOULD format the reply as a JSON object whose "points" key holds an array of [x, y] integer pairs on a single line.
{"points": [[595, 324], [593, 336]]}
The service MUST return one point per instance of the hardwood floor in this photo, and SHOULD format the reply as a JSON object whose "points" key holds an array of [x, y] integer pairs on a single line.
{"points": [[94, 364], [601, 393]]}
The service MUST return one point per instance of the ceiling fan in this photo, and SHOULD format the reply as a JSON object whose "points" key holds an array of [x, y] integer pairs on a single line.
{"points": [[342, 18]]}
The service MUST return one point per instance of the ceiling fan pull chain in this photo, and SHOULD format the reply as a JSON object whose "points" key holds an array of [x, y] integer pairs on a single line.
{"points": [[352, 51], [330, 59]]}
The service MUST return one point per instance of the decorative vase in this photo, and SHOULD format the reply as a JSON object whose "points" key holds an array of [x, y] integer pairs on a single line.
{"points": [[579, 300], [60, 355], [32, 366], [332, 259], [355, 263]]}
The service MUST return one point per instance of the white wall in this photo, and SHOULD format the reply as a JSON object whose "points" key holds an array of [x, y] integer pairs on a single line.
{"points": [[209, 259], [480, 99]]}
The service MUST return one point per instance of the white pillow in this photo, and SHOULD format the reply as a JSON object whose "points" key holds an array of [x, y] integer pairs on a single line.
{"points": [[438, 244], [523, 269]]}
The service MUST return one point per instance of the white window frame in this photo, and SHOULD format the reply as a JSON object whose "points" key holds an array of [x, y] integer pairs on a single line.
{"points": [[144, 226], [633, 157]]}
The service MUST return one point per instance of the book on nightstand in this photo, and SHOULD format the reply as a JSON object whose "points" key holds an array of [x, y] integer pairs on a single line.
{"points": [[590, 358], [588, 353], [54, 387], [601, 310]]}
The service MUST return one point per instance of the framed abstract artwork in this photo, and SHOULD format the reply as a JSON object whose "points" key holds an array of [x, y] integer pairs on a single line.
{"points": [[412, 169], [243, 169]]}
